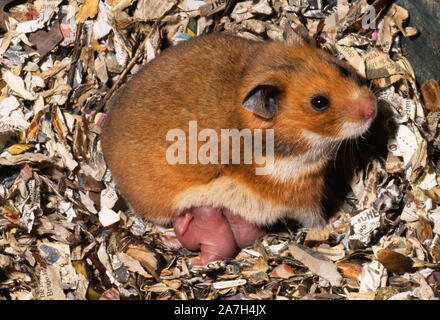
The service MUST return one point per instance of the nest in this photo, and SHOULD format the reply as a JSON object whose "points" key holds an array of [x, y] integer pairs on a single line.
{"points": [[66, 233]]}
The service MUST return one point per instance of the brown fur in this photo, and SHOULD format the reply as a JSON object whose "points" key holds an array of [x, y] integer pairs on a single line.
{"points": [[206, 79]]}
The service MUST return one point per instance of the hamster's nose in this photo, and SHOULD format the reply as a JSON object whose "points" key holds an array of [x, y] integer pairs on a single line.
{"points": [[366, 108]]}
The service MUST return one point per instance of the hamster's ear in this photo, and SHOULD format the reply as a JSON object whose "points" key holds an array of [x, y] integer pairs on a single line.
{"points": [[263, 100], [297, 36]]}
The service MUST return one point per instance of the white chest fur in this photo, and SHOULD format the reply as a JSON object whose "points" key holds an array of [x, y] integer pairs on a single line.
{"points": [[225, 192]]}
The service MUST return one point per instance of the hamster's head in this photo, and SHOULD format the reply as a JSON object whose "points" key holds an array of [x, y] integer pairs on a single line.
{"points": [[307, 95]]}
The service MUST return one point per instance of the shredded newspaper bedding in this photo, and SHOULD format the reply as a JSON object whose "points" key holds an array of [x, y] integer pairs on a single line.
{"points": [[66, 233]]}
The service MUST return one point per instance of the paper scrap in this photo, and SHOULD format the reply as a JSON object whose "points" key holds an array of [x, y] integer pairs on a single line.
{"points": [[50, 285], [88, 9], [152, 9], [371, 276], [108, 217], [316, 263], [228, 284], [364, 223]]}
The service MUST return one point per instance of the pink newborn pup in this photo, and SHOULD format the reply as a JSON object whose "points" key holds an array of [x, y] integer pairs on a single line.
{"points": [[215, 232]]}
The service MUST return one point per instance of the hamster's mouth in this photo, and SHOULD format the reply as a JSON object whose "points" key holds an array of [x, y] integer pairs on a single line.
{"points": [[355, 129], [349, 130]]}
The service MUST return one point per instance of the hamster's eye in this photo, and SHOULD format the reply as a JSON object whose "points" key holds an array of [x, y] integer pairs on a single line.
{"points": [[320, 103], [272, 103]]}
